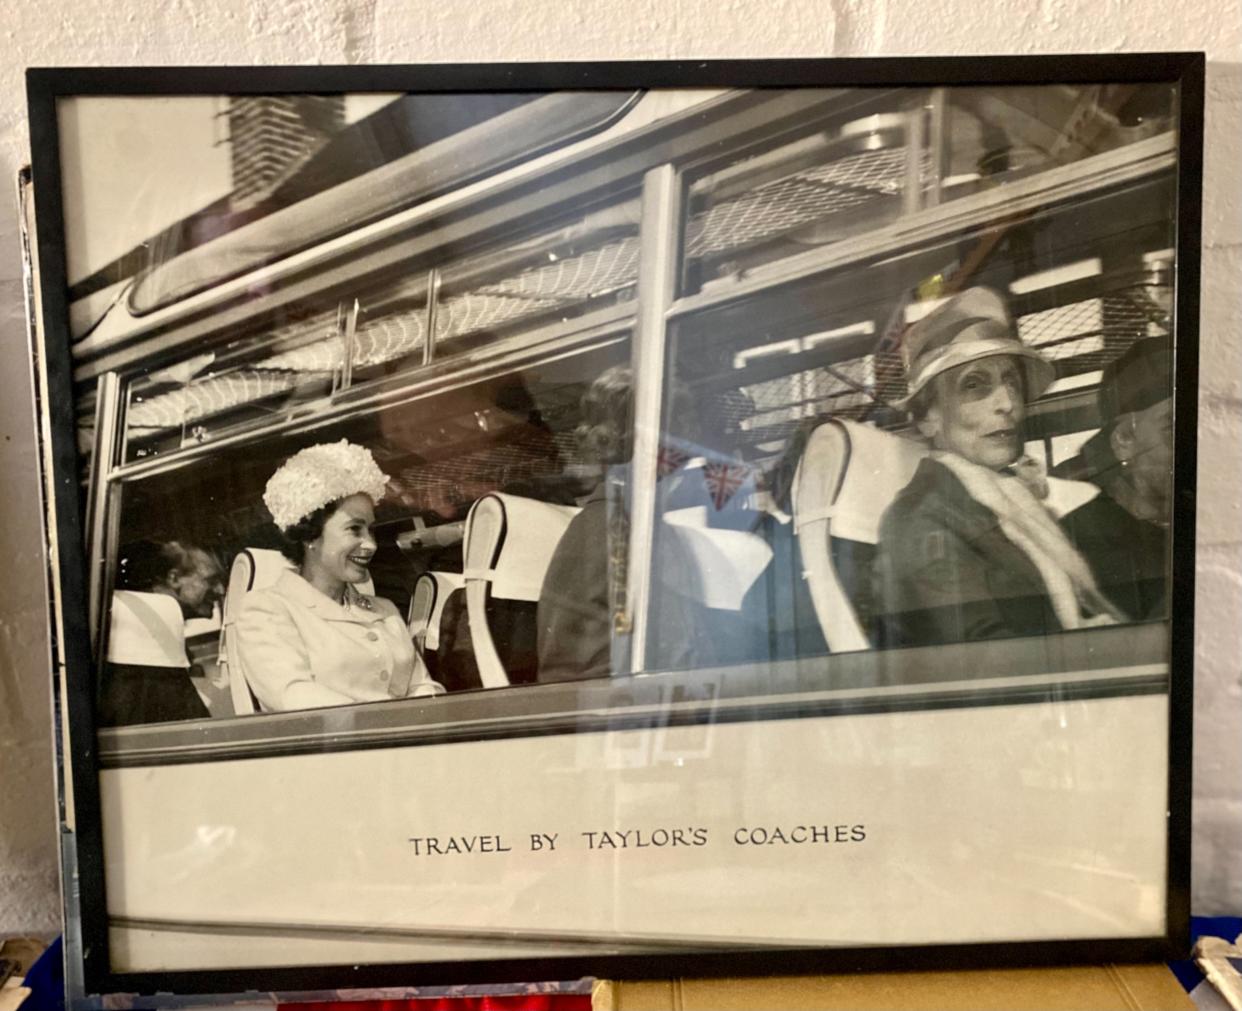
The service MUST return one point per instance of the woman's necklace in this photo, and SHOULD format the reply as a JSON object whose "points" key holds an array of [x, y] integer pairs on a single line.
{"points": [[351, 598]]}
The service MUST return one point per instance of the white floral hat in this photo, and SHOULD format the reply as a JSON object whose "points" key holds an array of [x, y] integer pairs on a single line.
{"points": [[318, 475]]}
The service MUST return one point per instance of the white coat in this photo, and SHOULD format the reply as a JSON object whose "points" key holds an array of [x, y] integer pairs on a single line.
{"points": [[300, 649]]}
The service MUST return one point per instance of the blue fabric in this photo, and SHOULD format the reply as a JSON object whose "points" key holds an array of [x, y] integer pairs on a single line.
{"points": [[46, 980], [1187, 973], [1228, 927]]}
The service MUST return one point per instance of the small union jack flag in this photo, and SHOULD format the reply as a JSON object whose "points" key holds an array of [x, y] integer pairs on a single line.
{"points": [[670, 460], [723, 480]]}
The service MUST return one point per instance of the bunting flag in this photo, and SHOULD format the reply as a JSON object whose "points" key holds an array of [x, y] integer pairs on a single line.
{"points": [[670, 460], [723, 480]]}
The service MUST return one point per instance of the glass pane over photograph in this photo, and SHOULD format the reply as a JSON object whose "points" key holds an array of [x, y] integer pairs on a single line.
{"points": [[740, 467]]}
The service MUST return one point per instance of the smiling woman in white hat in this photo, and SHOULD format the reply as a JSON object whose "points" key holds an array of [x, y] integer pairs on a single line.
{"points": [[967, 550], [313, 639]]}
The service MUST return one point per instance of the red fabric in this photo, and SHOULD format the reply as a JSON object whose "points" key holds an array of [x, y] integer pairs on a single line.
{"points": [[499, 1002]]}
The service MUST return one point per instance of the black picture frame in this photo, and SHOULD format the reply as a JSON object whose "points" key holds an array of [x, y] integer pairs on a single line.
{"points": [[83, 842]]}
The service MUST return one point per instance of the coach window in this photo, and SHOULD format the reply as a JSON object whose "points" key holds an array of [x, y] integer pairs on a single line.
{"points": [[523, 284], [514, 432], [272, 371], [748, 377], [522, 288], [894, 156], [766, 205]]}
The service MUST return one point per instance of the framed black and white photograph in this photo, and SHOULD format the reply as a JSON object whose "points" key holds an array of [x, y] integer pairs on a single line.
{"points": [[540, 521]]}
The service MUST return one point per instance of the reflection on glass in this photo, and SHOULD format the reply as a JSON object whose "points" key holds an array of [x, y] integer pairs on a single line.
{"points": [[483, 481], [826, 440], [858, 472], [590, 262], [777, 203], [856, 175], [548, 280], [193, 400], [531, 282], [920, 469]]}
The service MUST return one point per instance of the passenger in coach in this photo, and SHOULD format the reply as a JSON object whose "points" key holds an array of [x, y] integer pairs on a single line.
{"points": [[1124, 531], [967, 550], [585, 585], [312, 639], [147, 673], [586, 574]]}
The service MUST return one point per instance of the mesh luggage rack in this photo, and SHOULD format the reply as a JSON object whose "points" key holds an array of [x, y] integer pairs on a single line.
{"points": [[805, 197], [1078, 337]]}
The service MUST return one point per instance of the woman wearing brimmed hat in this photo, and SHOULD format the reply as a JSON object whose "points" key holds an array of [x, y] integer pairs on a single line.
{"points": [[967, 550], [312, 639]]}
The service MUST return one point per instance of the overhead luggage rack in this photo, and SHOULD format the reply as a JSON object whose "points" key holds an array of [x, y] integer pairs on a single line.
{"points": [[1080, 336]]}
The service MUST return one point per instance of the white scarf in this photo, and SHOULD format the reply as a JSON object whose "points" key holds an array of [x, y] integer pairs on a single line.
{"points": [[1076, 600]]}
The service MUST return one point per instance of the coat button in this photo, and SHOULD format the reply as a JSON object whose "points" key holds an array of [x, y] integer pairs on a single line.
{"points": [[372, 636], [383, 675]]}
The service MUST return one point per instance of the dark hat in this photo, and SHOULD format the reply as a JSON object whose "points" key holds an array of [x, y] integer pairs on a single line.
{"points": [[1136, 380], [1139, 378], [973, 324]]}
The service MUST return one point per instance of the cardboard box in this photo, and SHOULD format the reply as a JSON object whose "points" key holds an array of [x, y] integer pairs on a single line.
{"points": [[1080, 988]]}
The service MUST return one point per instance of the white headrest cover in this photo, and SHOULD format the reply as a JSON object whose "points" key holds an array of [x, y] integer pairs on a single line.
{"points": [[509, 541], [422, 601], [257, 569], [876, 466], [727, 561], [431, 591], [146, 630], [252, 569]]}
